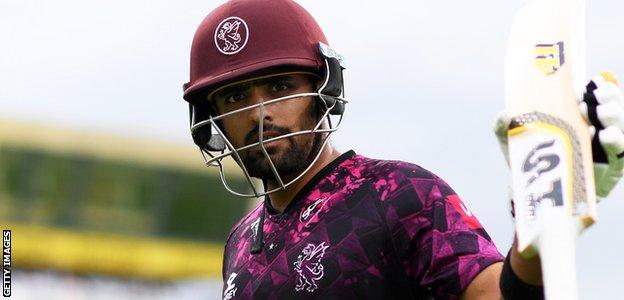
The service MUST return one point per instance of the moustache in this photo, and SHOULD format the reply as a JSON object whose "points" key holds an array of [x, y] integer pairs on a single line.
{"points": [[254, 134]]}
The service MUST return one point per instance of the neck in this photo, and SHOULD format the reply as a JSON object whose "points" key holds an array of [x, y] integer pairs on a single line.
{"points": [[281, 199]]}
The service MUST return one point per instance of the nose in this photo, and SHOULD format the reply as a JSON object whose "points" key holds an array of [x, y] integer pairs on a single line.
{"points": [[259, 96]]}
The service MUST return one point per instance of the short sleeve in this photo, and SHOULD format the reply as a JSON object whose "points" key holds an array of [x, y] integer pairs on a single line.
{"points": [[442, 244]]}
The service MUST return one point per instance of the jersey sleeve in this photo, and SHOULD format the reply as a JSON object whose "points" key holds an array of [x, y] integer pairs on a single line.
{"points": [[440, 241]]}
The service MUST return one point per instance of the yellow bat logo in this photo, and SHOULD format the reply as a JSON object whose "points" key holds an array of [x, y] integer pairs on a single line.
{"points": [[549, 57]]}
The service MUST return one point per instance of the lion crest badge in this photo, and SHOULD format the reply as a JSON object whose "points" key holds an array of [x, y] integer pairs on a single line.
{"points": [[231, 35], [309, 268]]}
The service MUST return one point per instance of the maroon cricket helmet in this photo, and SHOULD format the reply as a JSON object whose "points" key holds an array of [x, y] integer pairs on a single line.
{"points": [[245, 38]]}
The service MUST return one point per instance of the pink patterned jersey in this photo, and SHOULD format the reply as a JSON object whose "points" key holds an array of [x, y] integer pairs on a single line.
{"points": [[360, 229]]}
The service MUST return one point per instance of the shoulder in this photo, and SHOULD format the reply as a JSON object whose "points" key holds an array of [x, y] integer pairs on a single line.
{"points": [[239, 229], [411, 192], [395, 179], [412, 195], [240, 237]]}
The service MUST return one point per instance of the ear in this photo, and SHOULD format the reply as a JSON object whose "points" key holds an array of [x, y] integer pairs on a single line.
{"points": [[333, 76], [334, 81], [202, 136]]}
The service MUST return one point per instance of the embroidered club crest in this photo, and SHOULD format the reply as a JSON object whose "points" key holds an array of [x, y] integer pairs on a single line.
{"points": [[231, 35], [309, 268]]}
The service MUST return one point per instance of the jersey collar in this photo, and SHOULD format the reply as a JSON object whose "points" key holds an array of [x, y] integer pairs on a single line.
{"points": [[308, 186]]}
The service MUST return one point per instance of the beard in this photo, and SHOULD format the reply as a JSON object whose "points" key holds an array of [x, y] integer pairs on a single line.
{"points": [[289, 161]]}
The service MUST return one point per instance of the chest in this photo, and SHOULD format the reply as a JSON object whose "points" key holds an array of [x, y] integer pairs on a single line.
{"points": [[326, 248]]}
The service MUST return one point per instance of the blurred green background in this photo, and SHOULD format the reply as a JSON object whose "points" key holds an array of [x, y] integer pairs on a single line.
{"points": [[93, 203]]}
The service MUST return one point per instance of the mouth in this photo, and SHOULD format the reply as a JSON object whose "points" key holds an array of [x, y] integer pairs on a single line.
{"points": [[270, 134], [273, 146], [265, 136]]}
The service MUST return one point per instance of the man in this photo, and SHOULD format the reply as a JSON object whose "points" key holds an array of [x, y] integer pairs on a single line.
{"points": [[266, 90]]}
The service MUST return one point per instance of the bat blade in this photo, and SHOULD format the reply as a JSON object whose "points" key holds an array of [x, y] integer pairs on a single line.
{"points": [[549, 144]]}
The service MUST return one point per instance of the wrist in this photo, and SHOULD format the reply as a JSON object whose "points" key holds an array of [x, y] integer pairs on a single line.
{"points": [[529, 270], [513, 287]]}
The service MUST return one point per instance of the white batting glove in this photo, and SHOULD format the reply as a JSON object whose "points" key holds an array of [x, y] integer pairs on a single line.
{"points": [[500, 130], [603, 108]]}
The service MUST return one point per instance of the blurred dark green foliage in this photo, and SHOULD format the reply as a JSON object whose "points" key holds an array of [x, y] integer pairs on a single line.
{"points": [[83, 193]]}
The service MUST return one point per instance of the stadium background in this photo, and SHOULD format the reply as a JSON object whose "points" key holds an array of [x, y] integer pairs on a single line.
{"points": [[100, 213], [108, 198]]}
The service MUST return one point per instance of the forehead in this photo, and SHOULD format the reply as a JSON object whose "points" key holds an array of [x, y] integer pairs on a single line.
{"points": [[262, 79]]}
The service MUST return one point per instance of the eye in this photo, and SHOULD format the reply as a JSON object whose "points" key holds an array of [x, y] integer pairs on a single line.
{"points": [[234, 97], [280, 86], [231, 96]]}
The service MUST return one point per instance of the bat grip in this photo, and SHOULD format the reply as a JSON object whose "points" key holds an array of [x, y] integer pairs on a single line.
{"points": [[557, 249]]}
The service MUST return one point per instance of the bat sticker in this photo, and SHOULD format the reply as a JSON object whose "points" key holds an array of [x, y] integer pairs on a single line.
{"points": [[546, 162], [549, 57]]}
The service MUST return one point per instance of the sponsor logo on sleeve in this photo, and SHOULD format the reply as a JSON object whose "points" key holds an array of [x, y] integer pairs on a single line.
{"points": [[466, 214]]}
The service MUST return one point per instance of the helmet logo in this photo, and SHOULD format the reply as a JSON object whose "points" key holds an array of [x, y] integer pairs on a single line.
{"points": [[231, 35]]}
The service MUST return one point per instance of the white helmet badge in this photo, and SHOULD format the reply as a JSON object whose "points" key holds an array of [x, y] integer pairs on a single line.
{"points": [[231, 35]]}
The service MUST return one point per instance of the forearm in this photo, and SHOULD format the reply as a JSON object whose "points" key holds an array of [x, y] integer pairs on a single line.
{"points": [[521, 278], [528, 270], [526, 282]]}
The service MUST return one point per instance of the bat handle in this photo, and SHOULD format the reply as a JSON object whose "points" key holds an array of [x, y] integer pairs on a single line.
{"points": [[557, 248]]}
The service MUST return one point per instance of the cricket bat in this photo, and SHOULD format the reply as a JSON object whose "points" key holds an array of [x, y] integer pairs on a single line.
{"points": [[549, 143]]}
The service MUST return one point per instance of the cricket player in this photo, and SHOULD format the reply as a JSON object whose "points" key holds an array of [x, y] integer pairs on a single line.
{"points": [[266, 90]]}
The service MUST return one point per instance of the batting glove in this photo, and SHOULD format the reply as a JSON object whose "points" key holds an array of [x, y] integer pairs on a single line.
{"points": [[603, 108], [500, 130]]}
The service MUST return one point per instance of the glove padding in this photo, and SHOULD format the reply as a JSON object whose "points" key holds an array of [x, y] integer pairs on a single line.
{"points": [[500, 130], [603, 108]]}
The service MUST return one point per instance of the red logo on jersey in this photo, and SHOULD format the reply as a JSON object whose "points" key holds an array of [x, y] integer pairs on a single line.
{"points": [[465, 212]]}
